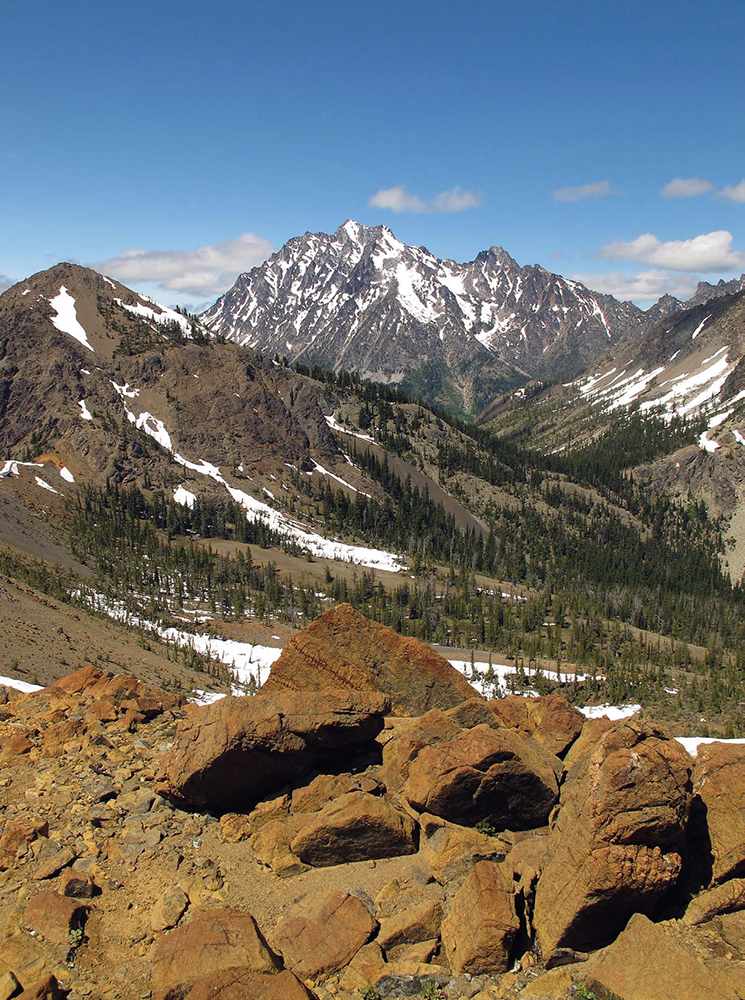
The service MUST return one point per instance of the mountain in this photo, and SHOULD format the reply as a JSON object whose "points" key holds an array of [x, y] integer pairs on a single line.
{"points": [[361, 300], [705, 290], [689, 370], [170, 478]]}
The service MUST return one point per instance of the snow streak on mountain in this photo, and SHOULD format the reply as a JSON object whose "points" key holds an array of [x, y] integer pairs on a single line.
{"points": [[362, 300]]}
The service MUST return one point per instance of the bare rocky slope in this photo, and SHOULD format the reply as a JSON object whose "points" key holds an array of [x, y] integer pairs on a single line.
{"points": [[310, 844]]}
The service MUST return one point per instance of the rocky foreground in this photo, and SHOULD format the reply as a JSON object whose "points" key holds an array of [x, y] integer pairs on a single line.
{"points": [[308, 842]]}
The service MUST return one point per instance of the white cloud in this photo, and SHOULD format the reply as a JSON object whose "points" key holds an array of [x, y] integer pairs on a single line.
{"points": [[203, 272], [398, 199], [5, 282], [597, 189], [686, 187], [735, 192], [707, 252], [645, 286]]}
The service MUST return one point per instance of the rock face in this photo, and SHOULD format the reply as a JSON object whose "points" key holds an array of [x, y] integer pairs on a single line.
{"points": [[323, 934], [551, 721], [213, 941], [355, 827], [650, 962], [729, 897], [239, 750], [481, 924], [614, 848], [484, 774], [343, 649], [239, 984], [719, 783]]}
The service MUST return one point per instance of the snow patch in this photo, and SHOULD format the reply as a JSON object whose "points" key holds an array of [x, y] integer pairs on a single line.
{"points": [[66, 317], [85, 413], [66, 474], [184, 497], [46, 486], [692, 743], [24, 686], [612, 712]]}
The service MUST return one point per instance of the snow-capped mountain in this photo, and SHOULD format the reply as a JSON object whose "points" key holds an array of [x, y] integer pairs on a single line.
{"points": [[360, 299]]}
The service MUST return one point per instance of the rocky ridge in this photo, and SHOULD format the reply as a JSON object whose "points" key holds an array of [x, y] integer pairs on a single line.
{"points": [[329, 874]]}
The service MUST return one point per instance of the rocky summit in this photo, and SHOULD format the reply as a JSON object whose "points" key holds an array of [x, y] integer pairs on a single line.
{"points": [[350, 841]]}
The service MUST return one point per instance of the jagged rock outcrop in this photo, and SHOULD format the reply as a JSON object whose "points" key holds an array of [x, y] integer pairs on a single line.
{"points": [[240, 750], [344, 649], [616, 844], [119, 891]]}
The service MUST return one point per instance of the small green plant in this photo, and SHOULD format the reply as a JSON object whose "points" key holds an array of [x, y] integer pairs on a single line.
{"points": [[76, 937], [486, 827], [370, 993], [582, 992], [430, 991]]}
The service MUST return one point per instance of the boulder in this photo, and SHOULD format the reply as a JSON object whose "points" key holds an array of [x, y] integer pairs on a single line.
{"points": [[412, 925], [409, 738], [485, 774], [450, 851], [615, 846], [481, 925], [16, 837], [326, 787], [323, 933], [9, 985], [271, 845], [719, 785], [344, 649], [728, 897], [46, 988], [212, 942], [650, 961], [169, 909], [355, 827], [237, 751], [239, 984], [549, 720], [365, 968], [55, 916]]}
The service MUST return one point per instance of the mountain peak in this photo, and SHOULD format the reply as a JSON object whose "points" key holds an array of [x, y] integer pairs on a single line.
{"points": [[361, 299]]}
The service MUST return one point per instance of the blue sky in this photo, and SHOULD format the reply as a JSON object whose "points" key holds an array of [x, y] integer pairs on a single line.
{"points": [[202, 135]]}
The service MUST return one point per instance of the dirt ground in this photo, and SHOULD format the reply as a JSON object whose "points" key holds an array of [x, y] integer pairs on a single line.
{"points": [[43, 639]]}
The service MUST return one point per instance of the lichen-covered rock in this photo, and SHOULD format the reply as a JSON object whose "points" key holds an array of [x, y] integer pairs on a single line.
{"points": [[322, 934], [485, 774], [549, 720], [615, 846], [481, 924], [212, 942], [344, 649], [237, 751], [719, 783], [355, 827]]}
